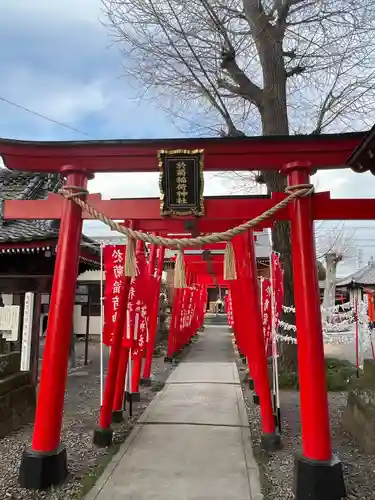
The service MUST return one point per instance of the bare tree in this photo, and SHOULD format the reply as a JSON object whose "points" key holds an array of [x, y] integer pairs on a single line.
{"points": [[245, 67], [334, 247]]}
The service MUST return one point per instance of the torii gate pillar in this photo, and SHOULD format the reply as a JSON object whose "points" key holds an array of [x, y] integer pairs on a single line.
{"points": [[318, 473], [45, 464]]}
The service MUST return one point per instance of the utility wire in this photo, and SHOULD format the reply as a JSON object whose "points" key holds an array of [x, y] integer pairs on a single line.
{"points": [[40, 115], [329, 230]]}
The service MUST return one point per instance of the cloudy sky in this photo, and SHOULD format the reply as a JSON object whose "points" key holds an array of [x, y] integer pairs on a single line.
{"points": [[57, 60]]}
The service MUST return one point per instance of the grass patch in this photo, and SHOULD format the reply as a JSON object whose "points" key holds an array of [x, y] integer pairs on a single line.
{"points": [[339, 374]]}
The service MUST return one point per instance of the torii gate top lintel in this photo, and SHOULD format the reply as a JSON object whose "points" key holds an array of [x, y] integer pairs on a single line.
{"points": [[326, 151]]}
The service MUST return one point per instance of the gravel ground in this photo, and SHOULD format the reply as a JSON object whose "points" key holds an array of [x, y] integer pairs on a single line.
{"points": [[277, 469], [86, 462]]}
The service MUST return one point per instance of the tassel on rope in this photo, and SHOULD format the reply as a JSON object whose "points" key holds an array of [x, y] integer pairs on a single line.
{"points": [[229, 262], [179, 270], [130, 268]]}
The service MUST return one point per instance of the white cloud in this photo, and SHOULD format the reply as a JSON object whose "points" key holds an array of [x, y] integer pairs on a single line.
{"points": [[85, 10], [143, 185], [57, 61], [345, 183], [52, 95]]}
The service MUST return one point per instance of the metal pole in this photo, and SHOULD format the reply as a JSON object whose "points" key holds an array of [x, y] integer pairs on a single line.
{"points": [[274, 348], [356, 332], [87, 326], [129, 383]]}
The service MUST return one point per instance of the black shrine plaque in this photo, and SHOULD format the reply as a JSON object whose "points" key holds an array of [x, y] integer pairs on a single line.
{"points": [[181, 182]]}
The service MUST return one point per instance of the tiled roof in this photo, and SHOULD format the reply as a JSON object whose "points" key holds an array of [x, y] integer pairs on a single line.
{"points": [[112, 239], [15, 185], [364, 276], [21, 186]]}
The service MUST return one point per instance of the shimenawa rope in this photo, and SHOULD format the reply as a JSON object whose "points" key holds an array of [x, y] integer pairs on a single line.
{"points": [[74, 192]]}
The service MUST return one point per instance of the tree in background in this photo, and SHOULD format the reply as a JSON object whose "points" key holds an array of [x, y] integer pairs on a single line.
{"points": [[321, 271], [251, 67], [334, 247]]}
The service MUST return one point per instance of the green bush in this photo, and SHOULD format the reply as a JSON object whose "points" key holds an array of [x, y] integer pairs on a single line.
{"points": [[288, 380], [339, 374]]}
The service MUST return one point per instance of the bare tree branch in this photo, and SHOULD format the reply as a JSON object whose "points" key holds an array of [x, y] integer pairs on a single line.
{"points": [[246, 88], [271, 67], [297, 70]]}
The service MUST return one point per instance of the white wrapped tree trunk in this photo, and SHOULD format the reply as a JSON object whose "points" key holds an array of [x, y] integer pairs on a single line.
{"points": [[331, 259]]}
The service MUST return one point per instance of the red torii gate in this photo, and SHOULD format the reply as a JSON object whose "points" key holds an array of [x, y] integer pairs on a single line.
{"points": [[318, 472]]}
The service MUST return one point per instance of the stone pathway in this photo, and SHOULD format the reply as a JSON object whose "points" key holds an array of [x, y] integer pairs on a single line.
{"points": [[193, 442]]}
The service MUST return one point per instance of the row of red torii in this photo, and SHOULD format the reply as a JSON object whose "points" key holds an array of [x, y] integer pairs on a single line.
{"points": [[131, 336], [318, 473]]}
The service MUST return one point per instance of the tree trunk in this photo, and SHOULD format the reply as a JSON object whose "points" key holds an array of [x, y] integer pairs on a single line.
{"points": [[274, 115], [330, 283], [281, 244]]}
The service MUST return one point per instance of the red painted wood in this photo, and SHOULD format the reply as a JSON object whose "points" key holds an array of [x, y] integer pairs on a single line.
{"points": [[118, 400], [198, 259], [49, 411], [105, 418], [201, 267], [205, 279], [316, 435], [141, 208], [154, 318], [169, 227], [214, 246], [220, 213], [245, 153]]}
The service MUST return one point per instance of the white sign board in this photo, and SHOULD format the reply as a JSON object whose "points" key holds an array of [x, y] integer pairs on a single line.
{"points": [[9, 322], [45, 298], [81, 299], [26, 331]]}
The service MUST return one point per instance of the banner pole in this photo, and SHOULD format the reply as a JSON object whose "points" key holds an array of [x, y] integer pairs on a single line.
{"points": [[356, 334], [101, 327], [274, 347], [129, 382]]}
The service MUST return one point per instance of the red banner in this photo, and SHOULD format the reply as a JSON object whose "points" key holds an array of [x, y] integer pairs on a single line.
{"points": [[228, 308], [269, 286], [266, 306], [278, 287], [114, 258], [141, 300]]}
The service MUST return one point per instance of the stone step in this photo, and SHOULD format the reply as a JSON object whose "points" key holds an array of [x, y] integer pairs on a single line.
{"points": [[221, 319], [17, 408], [13, 382]]}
